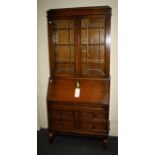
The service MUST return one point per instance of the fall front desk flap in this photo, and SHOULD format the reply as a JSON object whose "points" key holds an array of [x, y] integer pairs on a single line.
{"points": [[84, 91]]}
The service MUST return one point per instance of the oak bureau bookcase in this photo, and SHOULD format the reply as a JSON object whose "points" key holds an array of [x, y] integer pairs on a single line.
{"points": [[79, 83]]}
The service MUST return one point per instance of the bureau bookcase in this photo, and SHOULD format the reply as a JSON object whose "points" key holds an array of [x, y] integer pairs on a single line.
{"points": [[79, 82]]}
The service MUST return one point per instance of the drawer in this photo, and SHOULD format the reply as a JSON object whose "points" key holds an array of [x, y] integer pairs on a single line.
{"points": [[61, 112], [92, 114], [60, 124], [93, 126]]}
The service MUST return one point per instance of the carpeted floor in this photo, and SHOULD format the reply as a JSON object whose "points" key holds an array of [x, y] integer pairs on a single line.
{"points": [[70, 145]]}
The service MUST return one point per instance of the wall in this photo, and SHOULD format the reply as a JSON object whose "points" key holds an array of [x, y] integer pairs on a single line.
{"points": [[43, 63]]}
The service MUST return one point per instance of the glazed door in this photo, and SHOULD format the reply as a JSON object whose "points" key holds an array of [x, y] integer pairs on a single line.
{"points": [[93, 46], [63, 46]]}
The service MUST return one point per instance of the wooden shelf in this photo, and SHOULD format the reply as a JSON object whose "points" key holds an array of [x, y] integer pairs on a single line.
{"points": [[93, 44], [61, 29], [64, 62], [63, 44], [92, 61], [84, 28], [66, 70], [84, 44]]}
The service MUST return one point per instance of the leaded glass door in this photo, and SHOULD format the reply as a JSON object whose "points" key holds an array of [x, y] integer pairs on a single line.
{"points": [[93, 46], [63, 46]]}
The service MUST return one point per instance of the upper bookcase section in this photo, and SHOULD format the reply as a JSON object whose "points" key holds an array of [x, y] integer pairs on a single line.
{"points": [[79, 42], [79, 11]]}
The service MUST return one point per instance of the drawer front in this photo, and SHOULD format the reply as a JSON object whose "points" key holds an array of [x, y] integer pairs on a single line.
{"points": [[84, 113], [93, 126], [60, 124], [93, 114], [61, 112]]}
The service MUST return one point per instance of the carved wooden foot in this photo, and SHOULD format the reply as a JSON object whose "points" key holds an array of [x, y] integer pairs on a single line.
{"points": [[51, 136], [105, 143]]}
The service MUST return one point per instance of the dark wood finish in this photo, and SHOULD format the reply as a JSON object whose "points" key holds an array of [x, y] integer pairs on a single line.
{"points": [[79, 51]]}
